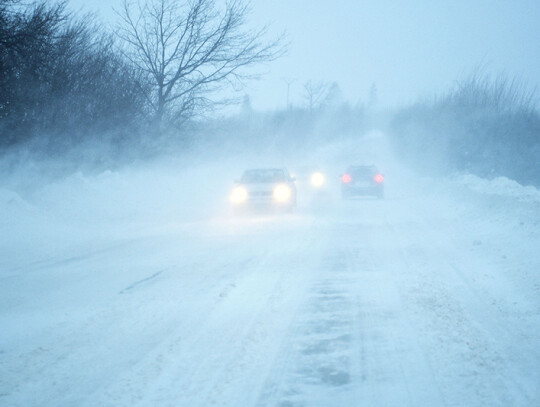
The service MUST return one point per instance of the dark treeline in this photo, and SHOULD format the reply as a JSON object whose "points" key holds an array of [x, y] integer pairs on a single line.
{"points": [[485, 126], [61, 80]]}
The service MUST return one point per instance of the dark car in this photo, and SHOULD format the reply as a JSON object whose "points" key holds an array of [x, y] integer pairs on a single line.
{"points": [[362, 180], [264, 188]]}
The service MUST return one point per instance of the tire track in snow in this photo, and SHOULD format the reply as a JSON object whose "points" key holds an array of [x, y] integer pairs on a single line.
{"points": [[314, 360], [138, 283]]}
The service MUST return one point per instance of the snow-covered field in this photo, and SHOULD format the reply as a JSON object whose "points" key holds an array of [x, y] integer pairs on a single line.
{"points": [[134, 288]]}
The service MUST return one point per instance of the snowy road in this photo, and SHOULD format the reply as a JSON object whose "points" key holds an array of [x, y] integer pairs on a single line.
{"points": [[415, 300]]}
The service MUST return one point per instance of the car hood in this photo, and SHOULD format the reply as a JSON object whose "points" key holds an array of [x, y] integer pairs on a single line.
{"points": [[263, 186]]}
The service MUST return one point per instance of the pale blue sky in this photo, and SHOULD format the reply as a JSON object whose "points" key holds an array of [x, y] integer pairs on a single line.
{"points": [[409, 49]]}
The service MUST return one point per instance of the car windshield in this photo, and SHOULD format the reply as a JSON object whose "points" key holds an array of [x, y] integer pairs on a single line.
{"points": [[264, 176]]}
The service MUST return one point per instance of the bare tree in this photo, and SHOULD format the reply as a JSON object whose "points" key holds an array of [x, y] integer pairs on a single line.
{"points": [[334, 96], [189, 49], [315, 93]]}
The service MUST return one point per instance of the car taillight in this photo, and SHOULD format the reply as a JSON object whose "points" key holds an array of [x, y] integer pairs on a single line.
{"points": [[379, 178], [346, 178]]}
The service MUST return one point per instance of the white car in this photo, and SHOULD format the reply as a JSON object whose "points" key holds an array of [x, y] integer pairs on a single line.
{"points": [[264, 189]]}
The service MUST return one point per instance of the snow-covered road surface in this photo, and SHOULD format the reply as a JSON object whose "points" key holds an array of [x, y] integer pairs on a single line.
{"points": [[430, 297]]}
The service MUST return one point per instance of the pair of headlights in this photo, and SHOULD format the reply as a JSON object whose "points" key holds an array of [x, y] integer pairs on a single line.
{"points": [[281, 193]]}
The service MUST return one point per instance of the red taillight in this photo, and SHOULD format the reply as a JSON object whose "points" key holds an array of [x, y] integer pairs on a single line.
{"points": [[346, 178], [379, 178]]}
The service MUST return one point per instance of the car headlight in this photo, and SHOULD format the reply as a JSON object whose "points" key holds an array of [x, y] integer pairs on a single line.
{"points": [[239, 195], [282, 193], [317, 179]]}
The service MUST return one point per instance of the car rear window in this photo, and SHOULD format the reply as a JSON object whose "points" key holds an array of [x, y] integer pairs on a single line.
{"points": [[254, 176], [363, 171]]}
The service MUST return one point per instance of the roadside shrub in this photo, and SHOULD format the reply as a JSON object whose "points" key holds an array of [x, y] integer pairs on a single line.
{"points": [[487, 126]]}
